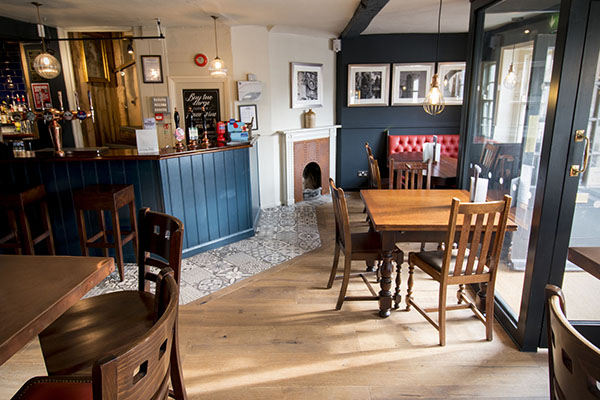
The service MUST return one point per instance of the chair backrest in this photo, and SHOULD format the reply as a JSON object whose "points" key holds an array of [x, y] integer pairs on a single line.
{"points": [[410, 175], [375, 181], [342, 220], [480, 228], [573, 362], [487, 159], [140, 370], [160, 242]]}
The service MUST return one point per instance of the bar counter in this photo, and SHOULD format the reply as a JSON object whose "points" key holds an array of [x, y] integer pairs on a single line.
{"points": [[213, 191]]}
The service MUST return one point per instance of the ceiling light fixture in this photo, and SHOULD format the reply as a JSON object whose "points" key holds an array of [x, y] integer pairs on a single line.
{"points": [[510, 80], [130, 47], [217, 66], [434, 101], [45, 64]]}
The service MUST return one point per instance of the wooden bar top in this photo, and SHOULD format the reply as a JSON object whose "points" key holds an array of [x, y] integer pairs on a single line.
{"points": [[122, 154]]}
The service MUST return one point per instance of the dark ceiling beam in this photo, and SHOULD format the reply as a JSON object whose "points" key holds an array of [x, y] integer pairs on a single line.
{"points": [[364, 14]]}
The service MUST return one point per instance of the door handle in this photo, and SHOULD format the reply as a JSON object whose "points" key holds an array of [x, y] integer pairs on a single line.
{"points": [[580, 137]]}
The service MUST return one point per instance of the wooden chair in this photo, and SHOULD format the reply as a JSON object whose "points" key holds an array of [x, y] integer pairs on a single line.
{"points": [[355, 246], [138, 371], [112, 320], [479, 230], [573, 361], [410, 175], [487, 160]]}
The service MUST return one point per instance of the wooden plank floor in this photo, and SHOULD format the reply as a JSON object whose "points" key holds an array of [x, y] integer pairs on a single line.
{"points": [[277, 336]]}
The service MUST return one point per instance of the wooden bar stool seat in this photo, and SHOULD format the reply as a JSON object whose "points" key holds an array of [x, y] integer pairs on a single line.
{"points": [[14, 200], [110, 198]]}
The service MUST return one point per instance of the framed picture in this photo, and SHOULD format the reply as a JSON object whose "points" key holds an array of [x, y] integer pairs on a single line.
{"points": [[307, 85], [247, 112], [368, 84], [94, 60], [152, 69], [41, 95], [452, 81], [410, 83]]}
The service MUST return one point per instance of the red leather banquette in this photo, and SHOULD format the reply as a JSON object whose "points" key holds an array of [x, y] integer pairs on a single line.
{"points": [[400, 143]]}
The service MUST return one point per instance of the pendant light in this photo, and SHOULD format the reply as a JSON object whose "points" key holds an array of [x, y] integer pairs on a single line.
{"points": [[130, 47], [45, 64], [217, 66], [434, 101], [510, 80]]}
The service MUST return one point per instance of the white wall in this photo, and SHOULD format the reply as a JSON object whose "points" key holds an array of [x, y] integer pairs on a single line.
{"points": [[268, 55]]}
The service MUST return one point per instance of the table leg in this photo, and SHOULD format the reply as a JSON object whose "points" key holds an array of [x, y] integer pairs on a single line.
{"points": [[385, 295]]}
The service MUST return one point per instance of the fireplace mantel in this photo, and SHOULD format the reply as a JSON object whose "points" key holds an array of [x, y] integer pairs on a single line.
{"points": [[287, 154]]}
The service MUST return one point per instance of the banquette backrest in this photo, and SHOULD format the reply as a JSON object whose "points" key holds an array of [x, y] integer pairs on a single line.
{"points": [[401, 143]]}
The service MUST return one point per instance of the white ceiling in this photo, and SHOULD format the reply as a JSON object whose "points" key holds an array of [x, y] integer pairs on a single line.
{"points": [[317, 17]]}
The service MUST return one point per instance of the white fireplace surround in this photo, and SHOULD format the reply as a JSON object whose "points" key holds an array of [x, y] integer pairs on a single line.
{"points": [[288, 137]]}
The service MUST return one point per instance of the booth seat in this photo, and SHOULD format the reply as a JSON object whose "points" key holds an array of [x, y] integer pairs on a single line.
{"points": [[401, 143]]}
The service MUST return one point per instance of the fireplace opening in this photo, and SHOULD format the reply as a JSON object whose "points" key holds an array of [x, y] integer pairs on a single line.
{"points": [[311, 181]]}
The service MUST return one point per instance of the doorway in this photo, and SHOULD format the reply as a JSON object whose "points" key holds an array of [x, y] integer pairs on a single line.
{"points": [[105, 72]]}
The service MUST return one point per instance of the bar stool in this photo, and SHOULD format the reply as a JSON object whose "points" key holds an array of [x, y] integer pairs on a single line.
{"points": [[102, 198], [14, 200]]}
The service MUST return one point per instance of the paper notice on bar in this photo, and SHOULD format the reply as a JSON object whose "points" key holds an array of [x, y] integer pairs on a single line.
{"points": [[147, 141]]}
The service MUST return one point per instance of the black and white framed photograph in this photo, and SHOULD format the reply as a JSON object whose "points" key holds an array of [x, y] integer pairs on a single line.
{"points": [[307, 85], [247, 114], [368, 84], [152, 69], [452, 81], [410, 83]]}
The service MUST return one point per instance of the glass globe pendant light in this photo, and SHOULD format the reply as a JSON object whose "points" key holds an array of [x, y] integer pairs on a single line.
{"points": [[510, 80], [434, 100], [45, 64], [217, 66]]}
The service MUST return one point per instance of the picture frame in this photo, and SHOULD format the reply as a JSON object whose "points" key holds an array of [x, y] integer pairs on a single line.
{"points": [[410, 83], [452, 81], [152, 69], [95, 62], [246, 113], [368, 84], [306, 85]]}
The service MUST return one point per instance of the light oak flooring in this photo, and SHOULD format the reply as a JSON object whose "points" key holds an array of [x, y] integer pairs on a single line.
{"points": [[277, 335]]}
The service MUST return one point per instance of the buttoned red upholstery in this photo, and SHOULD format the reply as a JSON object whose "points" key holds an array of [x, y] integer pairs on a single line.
{"points": [[44, 388], [401, 143]]}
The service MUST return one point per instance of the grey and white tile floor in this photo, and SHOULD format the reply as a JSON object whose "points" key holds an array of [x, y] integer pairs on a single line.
{"points": [[282, 233]]}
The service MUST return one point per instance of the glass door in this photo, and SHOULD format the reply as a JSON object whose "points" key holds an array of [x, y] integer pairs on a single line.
{"points": [[582, 191], [525, 99]]}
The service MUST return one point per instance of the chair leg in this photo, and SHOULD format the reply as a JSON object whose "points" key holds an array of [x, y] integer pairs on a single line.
{"points": [[347, 267], [461, 291], [442, 314], [133, 221], [411, 281], [179, 391], [336, 258], [48, 227], [118, 242], [12, 221], [397, 296], [25, 232], [489, 312], [102, 223], [82, 232]]}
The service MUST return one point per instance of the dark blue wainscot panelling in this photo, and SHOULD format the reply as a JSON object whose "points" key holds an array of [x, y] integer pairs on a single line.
{"points": [[62, 178], [211, 194], [370, 124]]}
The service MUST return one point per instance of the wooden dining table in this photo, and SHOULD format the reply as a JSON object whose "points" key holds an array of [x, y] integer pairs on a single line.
{"points": [[586, 258], [409, 216], [443, 172], [36, 290]]}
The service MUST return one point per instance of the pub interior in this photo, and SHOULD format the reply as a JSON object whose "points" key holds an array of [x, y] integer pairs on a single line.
{"points": [[182, 177]]}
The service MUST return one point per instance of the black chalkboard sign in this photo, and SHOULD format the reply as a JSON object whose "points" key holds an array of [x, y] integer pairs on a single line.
{"points": [[196, 98]]}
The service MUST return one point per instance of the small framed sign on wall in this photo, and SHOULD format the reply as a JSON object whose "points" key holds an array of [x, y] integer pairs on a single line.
{"points": [[152, 69]]}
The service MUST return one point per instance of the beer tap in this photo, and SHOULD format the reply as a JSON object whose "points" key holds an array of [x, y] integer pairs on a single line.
{"points": [[81, 115], [92, 115]]}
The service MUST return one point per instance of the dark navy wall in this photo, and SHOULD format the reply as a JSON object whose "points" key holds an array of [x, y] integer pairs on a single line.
{"points": [[368, 124]]}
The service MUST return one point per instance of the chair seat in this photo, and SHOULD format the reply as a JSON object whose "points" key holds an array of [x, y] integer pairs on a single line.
{"points": [[44, 388], [435, 259], [94, 327], [366, 242]]}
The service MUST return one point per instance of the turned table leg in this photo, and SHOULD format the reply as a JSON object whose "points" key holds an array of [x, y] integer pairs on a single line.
{"points": [[385, 295]]}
